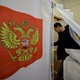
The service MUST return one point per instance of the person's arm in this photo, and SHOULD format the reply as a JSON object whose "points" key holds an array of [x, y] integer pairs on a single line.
{"points": [[56, 43]]}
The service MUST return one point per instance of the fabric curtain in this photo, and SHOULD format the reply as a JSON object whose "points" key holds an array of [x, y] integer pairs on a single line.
{"points": [[72, 62], [25, 39]]}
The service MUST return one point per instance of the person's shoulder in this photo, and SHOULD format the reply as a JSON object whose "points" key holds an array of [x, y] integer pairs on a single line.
{"points": [[67, 26], [66, 29]]}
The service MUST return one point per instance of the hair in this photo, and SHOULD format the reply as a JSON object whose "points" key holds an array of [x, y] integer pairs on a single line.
{"points": [[57, 24]]}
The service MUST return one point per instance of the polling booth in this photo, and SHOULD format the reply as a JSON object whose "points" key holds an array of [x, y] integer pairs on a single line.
{"points": [[25, 39]]}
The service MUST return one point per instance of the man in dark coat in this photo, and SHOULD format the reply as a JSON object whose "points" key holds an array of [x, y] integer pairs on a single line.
{"points": [[64, 41]]}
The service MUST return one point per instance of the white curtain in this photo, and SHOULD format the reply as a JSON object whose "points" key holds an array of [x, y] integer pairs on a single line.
{"points": [[41, 9], [72, 62]]}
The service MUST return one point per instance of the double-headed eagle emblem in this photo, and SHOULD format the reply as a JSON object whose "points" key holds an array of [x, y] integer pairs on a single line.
{"points": [[23, 43]]}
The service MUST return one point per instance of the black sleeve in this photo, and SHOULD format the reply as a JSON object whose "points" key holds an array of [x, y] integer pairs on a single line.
{"points": [[56, 43]]}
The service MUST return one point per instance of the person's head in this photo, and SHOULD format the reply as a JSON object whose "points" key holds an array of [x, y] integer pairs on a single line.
{"points": [[58, 27]]}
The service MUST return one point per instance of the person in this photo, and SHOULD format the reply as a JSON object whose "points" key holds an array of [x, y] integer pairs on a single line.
{"points": [[62, 32], [64, 41]]}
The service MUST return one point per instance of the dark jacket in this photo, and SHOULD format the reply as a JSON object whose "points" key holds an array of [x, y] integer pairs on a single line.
{"points": [[65, 41]]}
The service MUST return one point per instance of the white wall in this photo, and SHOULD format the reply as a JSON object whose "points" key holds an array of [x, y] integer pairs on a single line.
{"points": [[74, 6]]}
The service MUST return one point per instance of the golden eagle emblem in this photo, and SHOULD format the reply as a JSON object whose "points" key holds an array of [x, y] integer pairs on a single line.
{"points": [[23, 43]]}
